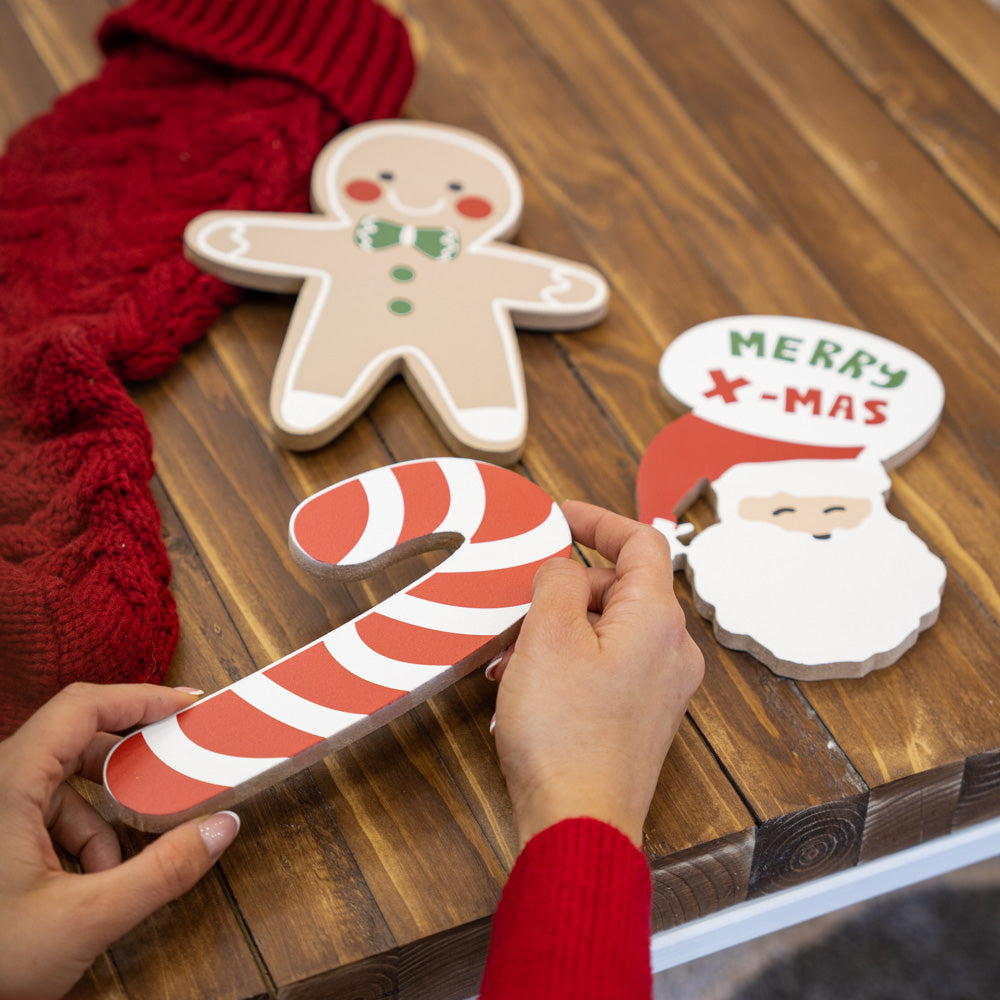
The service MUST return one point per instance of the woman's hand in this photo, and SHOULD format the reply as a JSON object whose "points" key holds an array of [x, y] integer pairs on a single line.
{"points": [[53, 923], [593, 691]]}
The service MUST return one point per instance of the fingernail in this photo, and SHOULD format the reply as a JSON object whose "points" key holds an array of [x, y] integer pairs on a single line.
{"points": [[218, 832], [491, 667], [186, 690], [493, 723]]}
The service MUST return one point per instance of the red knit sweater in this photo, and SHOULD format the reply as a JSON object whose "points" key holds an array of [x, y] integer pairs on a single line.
{"points": [[201, 104], [573, 920]]}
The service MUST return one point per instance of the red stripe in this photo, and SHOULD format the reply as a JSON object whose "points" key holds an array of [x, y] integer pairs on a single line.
{"points": [[497, 588], [416, 644], [514, 504], [140, 781], [228, 724], [426, 498], [312, 673], [329, 525]]}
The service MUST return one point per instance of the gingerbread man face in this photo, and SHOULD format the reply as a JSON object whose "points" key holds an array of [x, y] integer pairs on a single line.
{"points": [[420, 176], [402, 270]]}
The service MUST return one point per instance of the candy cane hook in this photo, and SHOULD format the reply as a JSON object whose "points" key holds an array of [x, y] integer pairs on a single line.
{"points": [[373, 668]]}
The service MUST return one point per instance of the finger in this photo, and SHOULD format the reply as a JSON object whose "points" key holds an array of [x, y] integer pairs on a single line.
{"points": [[495, 668], [557, 617], [560, 589], [168, 867], [644, 584], [609, 533], [65, 726], [78, 827], [91, 761]]}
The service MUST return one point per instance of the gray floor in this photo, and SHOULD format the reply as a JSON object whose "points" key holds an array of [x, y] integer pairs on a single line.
{"points": [[720, 976]]}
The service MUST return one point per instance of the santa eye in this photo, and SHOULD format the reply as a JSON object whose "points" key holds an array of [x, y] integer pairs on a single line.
{"points": [[833, 510], [455, 186], [782, 510], [387, 175]]}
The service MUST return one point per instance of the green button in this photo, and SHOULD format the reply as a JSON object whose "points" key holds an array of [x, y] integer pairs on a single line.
{"points": [[402, 273], [400, 306]]}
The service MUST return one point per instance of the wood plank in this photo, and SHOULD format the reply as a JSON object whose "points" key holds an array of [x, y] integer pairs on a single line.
{"points": [[968, 37], [979, 798], [26, 86], [956, 127], [703, 880], [64, 36], [911, 810], [879, 165]]}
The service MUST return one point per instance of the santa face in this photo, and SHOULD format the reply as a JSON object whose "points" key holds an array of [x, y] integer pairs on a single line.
{"points": [[413, 175], [815, 586], [816, 516]]}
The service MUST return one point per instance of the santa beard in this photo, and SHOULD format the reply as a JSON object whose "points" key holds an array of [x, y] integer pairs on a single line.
{"points": [[814, 608]]}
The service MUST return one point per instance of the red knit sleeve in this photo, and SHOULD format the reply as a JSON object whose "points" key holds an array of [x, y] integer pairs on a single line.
{"points": [[573, 920]]}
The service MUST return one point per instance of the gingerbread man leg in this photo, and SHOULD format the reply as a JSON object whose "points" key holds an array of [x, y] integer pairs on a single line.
{"points": [[467, 376]]}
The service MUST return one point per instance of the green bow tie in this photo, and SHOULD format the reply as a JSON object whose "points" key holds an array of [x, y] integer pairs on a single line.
{"points": [[438, 243]]}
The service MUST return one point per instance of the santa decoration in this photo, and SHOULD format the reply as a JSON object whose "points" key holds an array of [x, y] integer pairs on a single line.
{"points": [[792, 427]]}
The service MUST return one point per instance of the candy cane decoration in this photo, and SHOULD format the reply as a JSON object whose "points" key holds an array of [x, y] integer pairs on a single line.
{"points": [[356, 678]]}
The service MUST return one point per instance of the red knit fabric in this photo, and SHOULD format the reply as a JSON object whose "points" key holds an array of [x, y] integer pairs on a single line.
{"points": [[201, 104], [573, 920]]}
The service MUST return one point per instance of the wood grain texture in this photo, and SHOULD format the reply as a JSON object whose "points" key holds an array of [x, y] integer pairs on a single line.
{"points": [[710, 157]]}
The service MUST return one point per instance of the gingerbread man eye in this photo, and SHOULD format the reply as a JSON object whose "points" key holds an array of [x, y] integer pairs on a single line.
{"points": [[387, 175], [361, 190], [474, 207], [455, 186]]}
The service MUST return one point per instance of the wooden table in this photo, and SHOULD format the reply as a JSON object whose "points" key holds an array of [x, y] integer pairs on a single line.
{"points": [[830, 158]]}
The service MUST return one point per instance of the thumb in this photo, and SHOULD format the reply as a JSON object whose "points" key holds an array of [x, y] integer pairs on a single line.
{"points": [[162, 871]]}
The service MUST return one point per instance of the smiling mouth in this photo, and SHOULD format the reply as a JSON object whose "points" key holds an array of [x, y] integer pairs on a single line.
{"points": [[401, 206]]}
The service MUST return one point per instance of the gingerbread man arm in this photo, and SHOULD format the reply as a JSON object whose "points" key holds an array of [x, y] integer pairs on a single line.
{"points": [[271, 251], [543, 292]]}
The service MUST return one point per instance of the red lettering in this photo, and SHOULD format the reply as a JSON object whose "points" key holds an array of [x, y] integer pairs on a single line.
{"points": [[810, 398], [875, 407], [843, 405], [726, 388]]}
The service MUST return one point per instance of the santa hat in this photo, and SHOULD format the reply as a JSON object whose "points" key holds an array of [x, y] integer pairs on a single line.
{"points": [[690, 453]]}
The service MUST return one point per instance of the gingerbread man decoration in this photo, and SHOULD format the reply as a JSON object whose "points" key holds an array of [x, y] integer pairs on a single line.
{"points": [[403, 269]]}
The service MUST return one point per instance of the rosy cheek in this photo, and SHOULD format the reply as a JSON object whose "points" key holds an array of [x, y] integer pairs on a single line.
{"points": [[474, 208], [363, 190]]}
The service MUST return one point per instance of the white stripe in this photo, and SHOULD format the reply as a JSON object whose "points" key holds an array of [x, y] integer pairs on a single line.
{"points": [[386, 512], [272, 699], [167, 740], [546, 539], [412, 610], [467, 492], [353, 654]]}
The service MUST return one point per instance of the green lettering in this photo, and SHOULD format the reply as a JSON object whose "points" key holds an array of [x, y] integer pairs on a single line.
{"points": [[786, 348], [893, 379], [854, 365], [823, 353], [737, 342]]}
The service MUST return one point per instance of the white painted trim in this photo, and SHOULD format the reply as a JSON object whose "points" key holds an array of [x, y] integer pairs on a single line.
{"points": [[757, 917]]}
